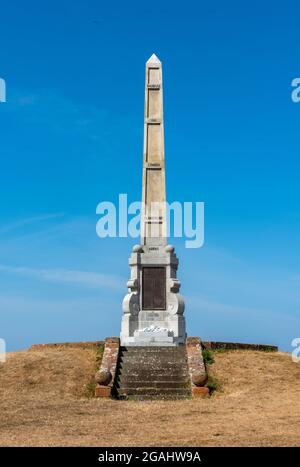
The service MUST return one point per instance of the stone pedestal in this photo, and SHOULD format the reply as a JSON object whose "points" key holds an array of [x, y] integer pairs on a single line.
{"points": [[153, 308]]}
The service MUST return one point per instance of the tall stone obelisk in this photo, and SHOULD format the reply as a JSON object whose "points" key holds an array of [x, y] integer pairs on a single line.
{"points": [[153, 219], [153, 308]]}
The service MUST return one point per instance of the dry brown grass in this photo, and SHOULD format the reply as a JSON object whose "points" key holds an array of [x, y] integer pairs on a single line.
{"points": [[44, 403]]}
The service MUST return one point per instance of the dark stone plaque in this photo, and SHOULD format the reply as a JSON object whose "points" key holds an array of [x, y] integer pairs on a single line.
{"points": [[154, 288]]}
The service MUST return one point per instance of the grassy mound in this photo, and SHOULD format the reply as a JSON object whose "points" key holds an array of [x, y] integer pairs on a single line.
{"points": [[45, 400]]}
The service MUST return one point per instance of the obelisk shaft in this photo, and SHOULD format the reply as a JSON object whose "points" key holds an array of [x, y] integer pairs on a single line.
{"points": [[153, 218]]}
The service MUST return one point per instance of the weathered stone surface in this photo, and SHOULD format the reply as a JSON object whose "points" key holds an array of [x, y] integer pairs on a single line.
{"points": [[153, 219], [153, 373], [108, 364], [103, 377], [199, 378], [197, 370]]}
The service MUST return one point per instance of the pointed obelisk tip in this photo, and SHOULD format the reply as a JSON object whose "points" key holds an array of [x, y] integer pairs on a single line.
{"points": [[153, 59]]}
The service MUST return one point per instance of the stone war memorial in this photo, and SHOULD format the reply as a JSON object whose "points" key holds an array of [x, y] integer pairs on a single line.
{"points": [[153, 309], [154, 358]]}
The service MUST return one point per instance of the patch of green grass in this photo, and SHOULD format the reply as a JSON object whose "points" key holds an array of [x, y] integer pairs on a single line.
{"points": [[213, 384], [99, 354], [91, 385], [90, 388], [268, 349], [208, 357]]}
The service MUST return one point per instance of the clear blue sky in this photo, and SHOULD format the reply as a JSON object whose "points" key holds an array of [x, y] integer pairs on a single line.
{"points": [[71, 136]]}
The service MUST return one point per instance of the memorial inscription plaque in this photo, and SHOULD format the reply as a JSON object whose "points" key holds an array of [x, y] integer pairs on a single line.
{"points": [[154, 288]]}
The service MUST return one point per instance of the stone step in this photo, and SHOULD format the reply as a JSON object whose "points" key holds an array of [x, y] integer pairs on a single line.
{"points": [[158, 363], [142, 356], [157, 367], [152, 360], [154, 353], [153, 349], [132, 369], [153, 397], [136, 368], [178, 370], [156, 384], [153, 377], [152, 356], [146, 373], [152, 391], [144, 382]]}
